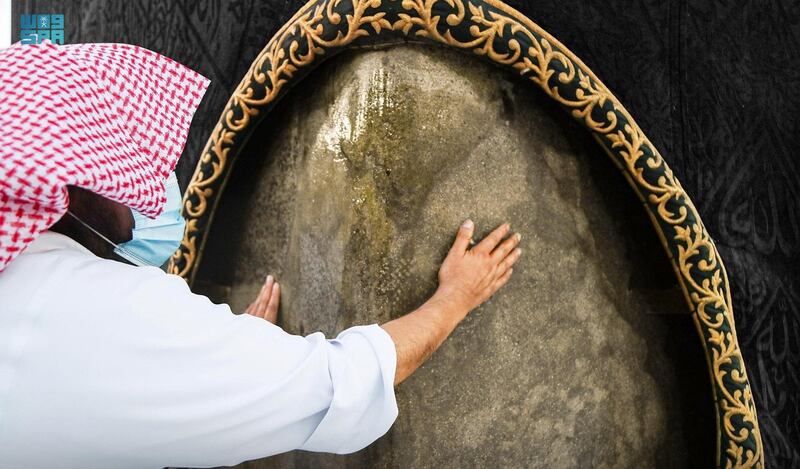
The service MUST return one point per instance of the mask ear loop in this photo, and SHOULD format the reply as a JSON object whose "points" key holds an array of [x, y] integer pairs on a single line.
{"points": [[129, 256]]}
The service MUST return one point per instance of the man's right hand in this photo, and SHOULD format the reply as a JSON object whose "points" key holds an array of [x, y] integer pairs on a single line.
{"points": [[470, 276], [467, 278]]}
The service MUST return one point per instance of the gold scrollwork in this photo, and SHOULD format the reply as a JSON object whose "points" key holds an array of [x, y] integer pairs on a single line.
{"points": [[481, 26]]}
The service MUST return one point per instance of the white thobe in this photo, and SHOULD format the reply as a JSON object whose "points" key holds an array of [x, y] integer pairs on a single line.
{"points": [[103, 364]]}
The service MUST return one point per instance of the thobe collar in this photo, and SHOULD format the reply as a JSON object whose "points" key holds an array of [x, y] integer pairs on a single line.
{"points": [[50, 240]]}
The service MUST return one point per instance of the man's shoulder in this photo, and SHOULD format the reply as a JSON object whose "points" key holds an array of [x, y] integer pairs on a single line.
{"points": [[56, 252], [65, 291], [56, 267]]}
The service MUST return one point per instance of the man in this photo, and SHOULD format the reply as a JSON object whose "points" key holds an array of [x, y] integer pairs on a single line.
{"points": [[107, 361]]}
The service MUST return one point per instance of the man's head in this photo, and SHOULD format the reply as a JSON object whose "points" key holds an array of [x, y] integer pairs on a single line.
{"points": [[112, 219]]}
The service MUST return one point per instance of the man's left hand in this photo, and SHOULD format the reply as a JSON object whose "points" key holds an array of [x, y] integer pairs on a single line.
{"points": [[266, 305]]}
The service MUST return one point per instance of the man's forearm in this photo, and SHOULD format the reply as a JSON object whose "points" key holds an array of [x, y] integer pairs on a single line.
{"points": [[419, 333]]}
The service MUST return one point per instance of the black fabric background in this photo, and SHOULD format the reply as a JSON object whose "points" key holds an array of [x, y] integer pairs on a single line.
{"points": [[714, 84]]}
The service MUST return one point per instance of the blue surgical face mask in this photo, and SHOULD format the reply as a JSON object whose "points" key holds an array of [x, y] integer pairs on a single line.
{"points": [[154, 240]]}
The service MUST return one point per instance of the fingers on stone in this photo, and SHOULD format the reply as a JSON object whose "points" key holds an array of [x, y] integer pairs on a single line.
{"points": [[274, 300], [510, 259], [491, 241], [506, 247], [504, 278], [264, 295]]}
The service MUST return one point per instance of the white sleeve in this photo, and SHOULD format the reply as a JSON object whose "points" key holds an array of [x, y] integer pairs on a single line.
{"points": [[170, 379], [361, 406], [258, 390]]}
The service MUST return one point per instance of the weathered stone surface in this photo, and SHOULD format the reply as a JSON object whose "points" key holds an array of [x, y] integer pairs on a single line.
{"points": [[351, 196]]}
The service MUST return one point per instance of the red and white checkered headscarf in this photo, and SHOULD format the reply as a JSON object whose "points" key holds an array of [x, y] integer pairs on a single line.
{"points": [[110, 118]]}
